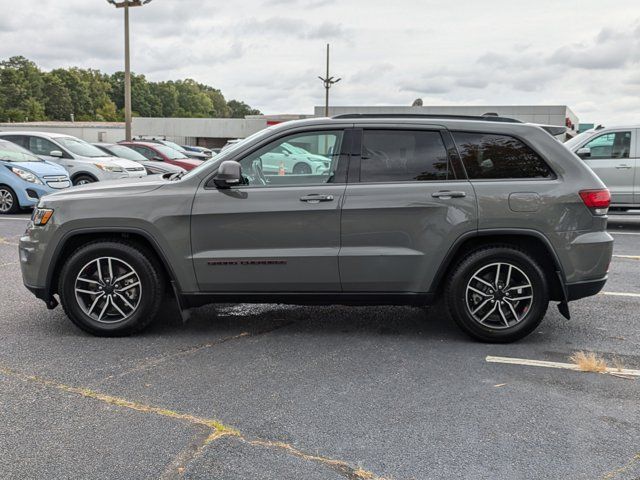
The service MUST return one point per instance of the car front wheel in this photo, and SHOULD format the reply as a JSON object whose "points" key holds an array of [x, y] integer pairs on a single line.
{"points": [[8, 200], [497, 294], [111, 288], [83, 180]]}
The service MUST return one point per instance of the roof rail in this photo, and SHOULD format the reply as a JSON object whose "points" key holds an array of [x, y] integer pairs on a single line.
{"points": [[480, 118]]}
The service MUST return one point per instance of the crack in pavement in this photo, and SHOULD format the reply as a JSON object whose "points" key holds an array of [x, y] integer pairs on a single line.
{"points": [[155, 361], [215, 428], [623, 469]]}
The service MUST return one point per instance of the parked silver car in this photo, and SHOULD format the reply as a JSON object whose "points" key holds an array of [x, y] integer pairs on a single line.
{"points": [[84, 162], [612, 153]]}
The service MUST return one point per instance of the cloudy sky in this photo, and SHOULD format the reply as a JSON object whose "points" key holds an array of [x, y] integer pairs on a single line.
{"points": [[583, 53]]}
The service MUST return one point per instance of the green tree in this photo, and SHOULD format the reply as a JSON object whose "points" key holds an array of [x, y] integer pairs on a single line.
{"points": [[58, 104], [238, 109]]}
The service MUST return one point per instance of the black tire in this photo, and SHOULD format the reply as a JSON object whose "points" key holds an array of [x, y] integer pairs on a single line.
{"points": [[501, 326], [301, 169], [150, 276], [8, 196], [83, 179]]}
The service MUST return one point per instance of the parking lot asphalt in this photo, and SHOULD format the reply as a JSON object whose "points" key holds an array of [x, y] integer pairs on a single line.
{"points": [[285, 392]]}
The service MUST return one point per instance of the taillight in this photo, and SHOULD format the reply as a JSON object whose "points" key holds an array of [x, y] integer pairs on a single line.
{"points": [[597, 201]]}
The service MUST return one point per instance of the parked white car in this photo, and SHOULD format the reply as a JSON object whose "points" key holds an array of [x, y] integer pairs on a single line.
{"points": [[612, 153], [290, 159], [84, 162]]}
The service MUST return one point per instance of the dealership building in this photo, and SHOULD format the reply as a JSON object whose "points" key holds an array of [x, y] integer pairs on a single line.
{"points": [[215, 132]]}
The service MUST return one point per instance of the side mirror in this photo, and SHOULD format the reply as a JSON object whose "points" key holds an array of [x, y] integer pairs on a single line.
{"points": [[584, 152], [229, 174], [55, 153]]}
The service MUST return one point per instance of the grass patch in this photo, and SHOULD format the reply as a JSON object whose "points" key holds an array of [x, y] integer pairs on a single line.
{"points": [[589, 362]]}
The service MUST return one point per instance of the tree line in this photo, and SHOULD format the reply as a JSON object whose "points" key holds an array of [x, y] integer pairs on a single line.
{"points": [[29, 94]]}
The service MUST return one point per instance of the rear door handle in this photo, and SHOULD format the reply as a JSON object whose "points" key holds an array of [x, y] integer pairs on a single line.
{"points": [[315, 198], [623, 167], [445, 194]]}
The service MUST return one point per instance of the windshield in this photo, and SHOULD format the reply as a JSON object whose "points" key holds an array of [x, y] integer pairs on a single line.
{"points": [[573, 142], [229, 150], [80, 147], [10, 152], [169, 152], [173, 145], [125, 152]]}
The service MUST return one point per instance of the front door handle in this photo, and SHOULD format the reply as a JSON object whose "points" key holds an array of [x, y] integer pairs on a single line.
{"points": [[623, 167], [315, 198], [446, 194]]}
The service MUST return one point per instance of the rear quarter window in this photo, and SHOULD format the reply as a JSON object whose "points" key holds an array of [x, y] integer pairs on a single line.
{"points": [[491, 156]]}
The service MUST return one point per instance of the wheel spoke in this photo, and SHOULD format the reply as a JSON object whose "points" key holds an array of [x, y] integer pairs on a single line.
{"points": [[513, 311], [506, 284], [518, 287], [99, 270], [95, 302], [110, 269], [479, 292], [104, 308], [88, 292], [488, 313], [128, 287], [497, 280], [504, 318], [113, 302], [481, 305], [476, 277], [80, 279], [122, 277], [517, 299], [124, 299]]}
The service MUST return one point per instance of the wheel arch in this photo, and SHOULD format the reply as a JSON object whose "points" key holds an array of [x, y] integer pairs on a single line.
{"points": [[85, 174], [74, 239], [531, 241]]}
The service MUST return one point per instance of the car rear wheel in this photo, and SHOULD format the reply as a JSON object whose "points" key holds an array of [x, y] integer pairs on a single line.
{"points": [[111, 288], [83, 180], [301, 169], [497, 294], [8, 200]]}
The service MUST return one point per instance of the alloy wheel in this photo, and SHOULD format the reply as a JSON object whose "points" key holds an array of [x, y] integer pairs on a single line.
{"points": [[6, 200], [499, 295], [108, 290]]}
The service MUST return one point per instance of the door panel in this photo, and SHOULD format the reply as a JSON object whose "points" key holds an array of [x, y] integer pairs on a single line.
{"points": [[395, 236], [613, 161], [267, 239], [403, 209]]}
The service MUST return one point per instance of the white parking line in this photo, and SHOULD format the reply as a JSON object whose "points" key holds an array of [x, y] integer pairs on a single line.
{"points": [[24, 219], [620, 294], [624, 233], [565, 366]]}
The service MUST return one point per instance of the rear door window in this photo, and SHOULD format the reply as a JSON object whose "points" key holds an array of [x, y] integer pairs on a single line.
{"points": [[42, 146], [490, 156], [403, 156], [17, 139], [610, 145]]}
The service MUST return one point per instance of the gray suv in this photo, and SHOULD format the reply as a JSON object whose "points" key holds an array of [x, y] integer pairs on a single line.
{"points": [[491, 215]]}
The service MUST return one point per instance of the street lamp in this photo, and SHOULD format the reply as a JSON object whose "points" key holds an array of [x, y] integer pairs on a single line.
{"points": [[127, 61], [328, 83]]}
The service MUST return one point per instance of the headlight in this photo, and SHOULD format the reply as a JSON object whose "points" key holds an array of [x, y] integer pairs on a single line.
{"points": [[109, 168], [41, 216], [25, 175]]}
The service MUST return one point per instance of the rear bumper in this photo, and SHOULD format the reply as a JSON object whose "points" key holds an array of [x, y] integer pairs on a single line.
{"points": [[578, 290]]}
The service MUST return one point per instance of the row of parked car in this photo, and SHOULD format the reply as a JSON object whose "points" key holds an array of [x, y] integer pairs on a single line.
{"points": [[38, 163]]}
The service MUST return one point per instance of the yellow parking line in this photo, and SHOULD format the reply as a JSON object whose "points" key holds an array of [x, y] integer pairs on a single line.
{"points": [[632, 257], [566, 366]]}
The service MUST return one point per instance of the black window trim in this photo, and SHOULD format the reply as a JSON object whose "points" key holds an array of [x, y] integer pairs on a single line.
{"points": [[553, 177], [455, 162], [344, 158]]}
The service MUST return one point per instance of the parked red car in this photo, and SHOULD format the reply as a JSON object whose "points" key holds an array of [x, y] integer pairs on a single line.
{"points": [[162, 153]]}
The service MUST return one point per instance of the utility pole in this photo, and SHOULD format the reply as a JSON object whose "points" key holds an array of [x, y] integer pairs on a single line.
{"points": [[328, 83], [126, 4]]}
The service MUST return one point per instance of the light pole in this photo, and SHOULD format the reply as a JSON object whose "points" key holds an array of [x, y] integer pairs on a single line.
{"points": [[126, 4], [328, 83]]}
